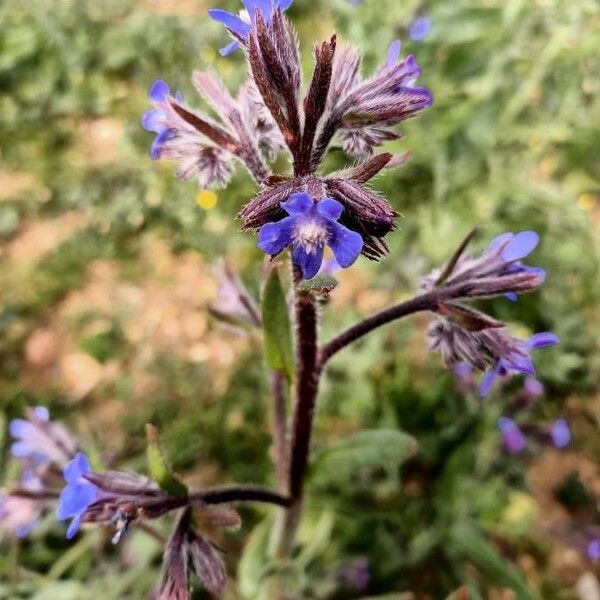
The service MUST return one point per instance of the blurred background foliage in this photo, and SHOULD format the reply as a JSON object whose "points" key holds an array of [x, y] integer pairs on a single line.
{"points": [[106, 275]]}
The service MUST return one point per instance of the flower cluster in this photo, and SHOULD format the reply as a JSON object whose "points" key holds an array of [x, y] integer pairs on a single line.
{"points": [[515, 438], [462, 333], [41, 446], [269, 114]]}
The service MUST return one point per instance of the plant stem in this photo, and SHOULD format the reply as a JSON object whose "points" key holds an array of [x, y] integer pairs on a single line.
{"points": [[238, 493], [305, 395], [427, 301]]}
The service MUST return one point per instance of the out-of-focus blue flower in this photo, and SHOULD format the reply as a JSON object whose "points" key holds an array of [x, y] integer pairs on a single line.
{"points": [[516, 247], [560, 433], [518, 362], [533, 388], [78, 494], [513, 439], [593, 550], [419, 29], [239, 26], [356, 574], [39, 440], [310, 227], [28, 436], [20, 515], [154, 119]]}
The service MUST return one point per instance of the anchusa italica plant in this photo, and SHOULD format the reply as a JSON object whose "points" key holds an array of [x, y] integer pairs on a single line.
{"points": [[296, 215]]}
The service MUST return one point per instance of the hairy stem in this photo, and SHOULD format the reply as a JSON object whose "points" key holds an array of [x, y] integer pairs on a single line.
{"points": [[305, 395], [239, 493]]}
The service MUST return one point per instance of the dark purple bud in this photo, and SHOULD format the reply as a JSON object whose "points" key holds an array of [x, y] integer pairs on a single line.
{"points": [[208, 565], [175, 572]]}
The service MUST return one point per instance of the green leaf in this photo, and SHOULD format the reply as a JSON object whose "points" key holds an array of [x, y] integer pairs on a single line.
{"points": [[470, 544], [277, 330], [252, 566], [365, 450], [158, 466]]}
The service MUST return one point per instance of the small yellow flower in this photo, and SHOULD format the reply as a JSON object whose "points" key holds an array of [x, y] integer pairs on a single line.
{"points": [[587, 201], [206, 199]]}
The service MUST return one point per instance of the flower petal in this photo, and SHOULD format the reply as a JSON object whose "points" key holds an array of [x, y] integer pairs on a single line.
{"points": [[419, 29], [284, 4], [42, 413], [274, 237], [309, 262], [345, 243], [560, 432], [488, 379], [500, 240], [229, 49], [20, 428], [544, 339], [522, 244], [153, 120], [159, 91], [512, 296], [77, 467], [230, 21], [330, 209], [74, 526], [298, 204], [393, 53]]}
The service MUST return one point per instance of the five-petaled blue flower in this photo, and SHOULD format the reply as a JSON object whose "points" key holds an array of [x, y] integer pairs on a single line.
{"points": [[78, 494], [310, 227], [518, 362], [28, 438], [516, 247], [560, 433], [513, 439], [155, 118], [240, 26]]}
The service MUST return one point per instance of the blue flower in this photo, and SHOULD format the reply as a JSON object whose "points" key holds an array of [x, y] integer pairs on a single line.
{"points": [[419, 29], [241, 26], [516, 246], [78, 494], [560, 433], [310, 227], [30, 441], [155, 119], [518, 361], [513, 439]]}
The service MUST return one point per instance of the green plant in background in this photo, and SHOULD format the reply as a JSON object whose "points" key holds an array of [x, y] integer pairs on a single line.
{"points": [[477, 160]]}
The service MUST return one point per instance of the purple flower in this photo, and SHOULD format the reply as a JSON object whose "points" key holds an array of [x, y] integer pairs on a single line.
{"points": [[560, 433], [419, 29], [516, 246], [533, 388], [310, 227], [513, 439], [519, 361], [78, 494], [240, 26], [156, 119], [40, 440], [593, 550]]}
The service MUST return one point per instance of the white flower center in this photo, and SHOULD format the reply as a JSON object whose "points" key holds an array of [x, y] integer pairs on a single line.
{"points": [[311, 234]]}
